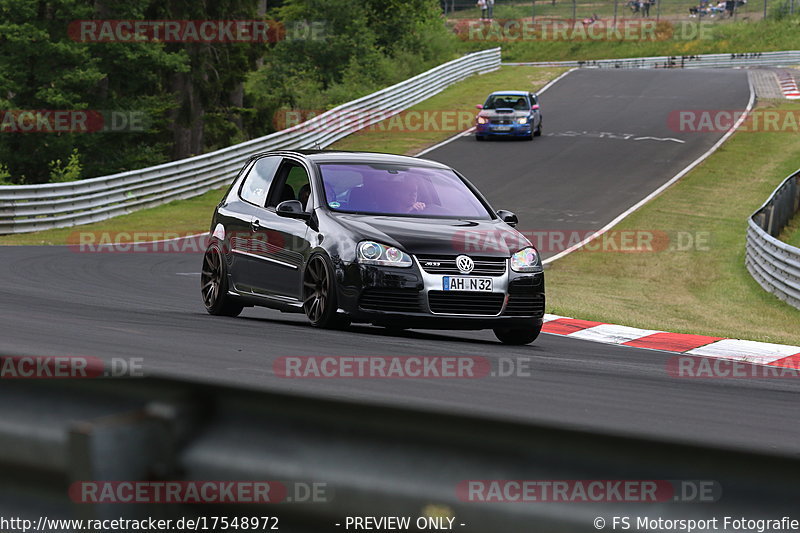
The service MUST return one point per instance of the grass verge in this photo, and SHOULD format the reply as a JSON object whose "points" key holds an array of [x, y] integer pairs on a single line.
{"points": [[668, 38], [444, 115], [706, 289], [791, 233], [585, 8]]}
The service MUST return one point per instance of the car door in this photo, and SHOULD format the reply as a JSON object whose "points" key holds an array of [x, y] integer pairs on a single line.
{"points": [[536, 118], [283, 241], [243, 238]]}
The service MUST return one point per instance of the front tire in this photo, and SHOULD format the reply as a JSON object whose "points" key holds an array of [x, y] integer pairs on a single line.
{"points": [[517, 336], [319, 294], [480, 138], [538, 131], [214, 284]]}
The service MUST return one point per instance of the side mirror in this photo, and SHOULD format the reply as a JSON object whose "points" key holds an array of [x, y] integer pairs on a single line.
{"points": [[292, 209], [508, 217], [535, 106], [479, 106]]}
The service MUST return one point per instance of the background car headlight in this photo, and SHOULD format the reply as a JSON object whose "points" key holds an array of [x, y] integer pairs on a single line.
{"points": [[373, 253], [483, 120], [522, 120], [526, 260]]}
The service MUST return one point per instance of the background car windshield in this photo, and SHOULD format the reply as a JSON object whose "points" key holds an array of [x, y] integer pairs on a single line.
{"points": [[399, 190], [513, 101]]}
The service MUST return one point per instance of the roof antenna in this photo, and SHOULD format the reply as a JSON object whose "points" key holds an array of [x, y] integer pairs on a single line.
{"points": [[317, 146]]}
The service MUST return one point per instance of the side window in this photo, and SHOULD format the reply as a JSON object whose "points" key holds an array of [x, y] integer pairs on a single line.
{"points": [[292, 183], [256, 184], [534, 99]]}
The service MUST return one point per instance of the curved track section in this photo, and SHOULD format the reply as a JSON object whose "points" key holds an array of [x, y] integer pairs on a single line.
{"points": [[610, 140], [59, 302]]}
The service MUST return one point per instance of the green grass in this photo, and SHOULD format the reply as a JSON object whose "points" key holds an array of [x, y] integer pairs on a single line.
{"points": [[791, 233], [603, 8], [398, 136], [705, 291], [181, 217], [673, 37]]}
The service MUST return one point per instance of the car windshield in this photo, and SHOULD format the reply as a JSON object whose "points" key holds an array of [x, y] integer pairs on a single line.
{"points": [[512, 101], [399, 190]]}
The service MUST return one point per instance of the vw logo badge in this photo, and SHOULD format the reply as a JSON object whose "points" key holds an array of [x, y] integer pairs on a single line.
{"points": [[464, 264]]}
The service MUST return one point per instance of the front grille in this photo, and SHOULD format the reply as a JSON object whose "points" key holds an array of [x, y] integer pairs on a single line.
{"points": [[466, 303], [391, 300], [525, 305], [502, 121], [484, 266]]}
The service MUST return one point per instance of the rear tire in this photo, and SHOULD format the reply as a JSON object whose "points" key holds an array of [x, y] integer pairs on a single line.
{"points": [[480, 138], [517, 336], [214, 284]]}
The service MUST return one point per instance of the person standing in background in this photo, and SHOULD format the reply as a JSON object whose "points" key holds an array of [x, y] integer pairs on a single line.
{"points": [[490, 9], [482, 5]]}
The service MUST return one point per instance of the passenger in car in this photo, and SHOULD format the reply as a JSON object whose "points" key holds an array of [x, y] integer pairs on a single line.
{"points": [[362, 199], [287, 193], [304, 195]]}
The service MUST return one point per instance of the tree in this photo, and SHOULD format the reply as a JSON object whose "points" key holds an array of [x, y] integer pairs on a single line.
{"points": [[42, 68]]}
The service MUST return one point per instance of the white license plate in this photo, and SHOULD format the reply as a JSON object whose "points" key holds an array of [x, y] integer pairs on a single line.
{"points": [[502, 128], [452, 283]]}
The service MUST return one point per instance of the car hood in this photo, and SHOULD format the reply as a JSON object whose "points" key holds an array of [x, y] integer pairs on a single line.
{"points": [[504, 112], [430, 236]]}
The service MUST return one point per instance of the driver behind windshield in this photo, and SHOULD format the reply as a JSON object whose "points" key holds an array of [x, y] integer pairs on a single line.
{"points": [[405, 198]]}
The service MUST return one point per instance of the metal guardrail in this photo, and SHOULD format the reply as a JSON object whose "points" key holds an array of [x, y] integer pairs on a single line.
{"points": [[26, 208], [749, 59], [374, 460], [774, 264]]}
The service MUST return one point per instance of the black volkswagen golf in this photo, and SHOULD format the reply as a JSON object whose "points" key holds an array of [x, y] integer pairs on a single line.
{"points": [[363, 237]]}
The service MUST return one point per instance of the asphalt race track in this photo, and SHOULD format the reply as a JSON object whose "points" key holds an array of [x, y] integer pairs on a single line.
{"points": [[59, 302], [608, 142]]}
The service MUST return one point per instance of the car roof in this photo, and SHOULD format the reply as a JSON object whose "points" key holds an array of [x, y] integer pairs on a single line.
{"points": [[342, 156], [515, 93]]}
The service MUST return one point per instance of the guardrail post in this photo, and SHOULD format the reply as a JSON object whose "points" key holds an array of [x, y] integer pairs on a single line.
{"points": [[133, 446]]}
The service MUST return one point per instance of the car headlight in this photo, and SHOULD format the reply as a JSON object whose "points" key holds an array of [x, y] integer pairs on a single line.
{"points": [[526, 260], [483, 120], [373, 253], [522, 120]]}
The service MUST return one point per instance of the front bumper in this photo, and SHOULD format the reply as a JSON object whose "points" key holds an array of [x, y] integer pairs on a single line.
{"points": [[414, 298], [515, 129]]}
